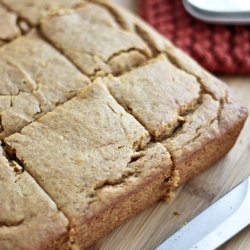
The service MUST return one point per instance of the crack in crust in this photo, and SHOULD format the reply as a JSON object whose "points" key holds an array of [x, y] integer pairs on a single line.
{"points": [[11, 224], [129, 52], [158, 44], [125, 89], [121, 19], [9, 29], [131, 172]]}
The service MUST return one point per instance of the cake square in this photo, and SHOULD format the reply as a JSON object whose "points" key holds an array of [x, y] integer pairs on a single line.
{"points": [[189, 116], [93, 40], [34, 78], [90, 156], [29, 219]]}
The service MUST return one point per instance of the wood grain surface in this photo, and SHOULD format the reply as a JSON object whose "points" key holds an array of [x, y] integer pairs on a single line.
{"points": [[154, 225]]}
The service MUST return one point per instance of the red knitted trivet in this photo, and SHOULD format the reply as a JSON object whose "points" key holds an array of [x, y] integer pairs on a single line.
{"points": [[218, 48]]}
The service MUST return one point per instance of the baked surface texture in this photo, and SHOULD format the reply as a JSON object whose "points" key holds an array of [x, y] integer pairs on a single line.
{"points": [[101, 117], [89, 155], [31, 11], [90, 36], [29, 219], [8, 26], [34, 79]]}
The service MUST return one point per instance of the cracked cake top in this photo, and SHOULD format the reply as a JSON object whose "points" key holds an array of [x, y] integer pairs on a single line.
{"points": [[27, 212], [91, 37], [8, 26], [85, 144], [158, 94], [31, 11]]}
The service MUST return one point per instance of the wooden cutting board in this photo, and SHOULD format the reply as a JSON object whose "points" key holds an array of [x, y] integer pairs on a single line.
{"points": [[151, 227]]}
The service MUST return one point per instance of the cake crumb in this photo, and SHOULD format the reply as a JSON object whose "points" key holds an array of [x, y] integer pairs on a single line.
{"points": [[184, 224], [176, 212], [168, 197]]}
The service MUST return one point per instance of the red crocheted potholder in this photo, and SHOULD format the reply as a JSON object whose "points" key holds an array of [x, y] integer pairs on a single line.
{"points": [[218, 48]]}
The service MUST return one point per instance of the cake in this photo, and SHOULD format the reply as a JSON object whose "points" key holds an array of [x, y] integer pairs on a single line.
{"points": [[100, 117], [31, 11], [34, 79], [9, 29], [29, 218]]}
